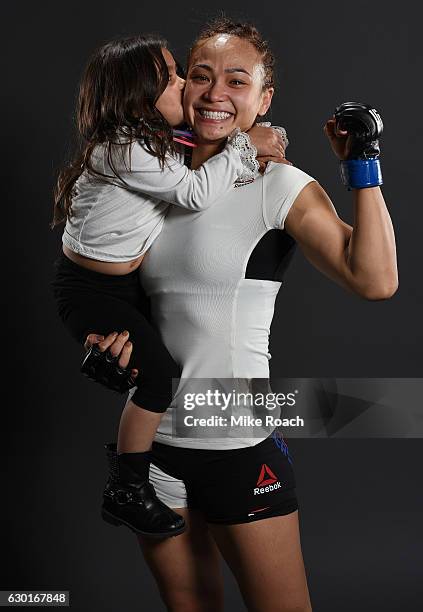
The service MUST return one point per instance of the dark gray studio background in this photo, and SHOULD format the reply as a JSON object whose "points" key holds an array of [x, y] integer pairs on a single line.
{"points": [[360, 499]]}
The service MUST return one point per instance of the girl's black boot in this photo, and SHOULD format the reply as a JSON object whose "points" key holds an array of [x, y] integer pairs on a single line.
{"points": [[130, 499]]}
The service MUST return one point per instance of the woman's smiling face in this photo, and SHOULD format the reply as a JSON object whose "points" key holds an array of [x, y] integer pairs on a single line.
{"points": [[224, 87]]}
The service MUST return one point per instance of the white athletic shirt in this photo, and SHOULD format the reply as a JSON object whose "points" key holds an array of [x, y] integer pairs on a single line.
{"points": [[117, 220], [214, 321]]}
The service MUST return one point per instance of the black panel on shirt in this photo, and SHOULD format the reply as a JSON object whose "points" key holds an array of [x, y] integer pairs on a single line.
{"points": [[271, 256]]}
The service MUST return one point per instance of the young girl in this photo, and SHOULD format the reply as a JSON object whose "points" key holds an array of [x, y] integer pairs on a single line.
{"points": [[114, 198]]}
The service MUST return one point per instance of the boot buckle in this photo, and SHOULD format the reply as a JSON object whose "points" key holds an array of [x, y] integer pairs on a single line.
{"points": [[123, 497]]}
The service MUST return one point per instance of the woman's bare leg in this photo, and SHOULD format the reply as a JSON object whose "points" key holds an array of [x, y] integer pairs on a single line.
{"points": [[266, 559], [187, 568]]}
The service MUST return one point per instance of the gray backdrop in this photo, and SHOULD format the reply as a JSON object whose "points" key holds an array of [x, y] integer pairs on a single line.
{"points": [[360, 499]]}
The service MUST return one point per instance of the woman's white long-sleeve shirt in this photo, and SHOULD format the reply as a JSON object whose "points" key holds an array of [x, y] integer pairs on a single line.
{"points": [[117, 219]]}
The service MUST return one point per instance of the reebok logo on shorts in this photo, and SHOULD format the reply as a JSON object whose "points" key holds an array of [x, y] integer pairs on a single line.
{"points": [[267, 481]]}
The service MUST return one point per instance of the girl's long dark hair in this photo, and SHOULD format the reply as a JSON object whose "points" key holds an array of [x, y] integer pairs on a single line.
{"points": [[118, 92]]}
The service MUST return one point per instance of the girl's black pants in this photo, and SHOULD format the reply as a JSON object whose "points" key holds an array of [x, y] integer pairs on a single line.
{"points": [[92, 302]]}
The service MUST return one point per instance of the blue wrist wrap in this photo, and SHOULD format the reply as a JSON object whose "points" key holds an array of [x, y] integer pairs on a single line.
{"points": [[361, 173]]}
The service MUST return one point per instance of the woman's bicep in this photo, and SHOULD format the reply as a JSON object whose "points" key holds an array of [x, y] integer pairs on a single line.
{"points": [[321, 235]]}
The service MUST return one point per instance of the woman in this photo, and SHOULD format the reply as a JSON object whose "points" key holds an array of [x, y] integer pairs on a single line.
{"points": [[213, 303], [114, 198]]}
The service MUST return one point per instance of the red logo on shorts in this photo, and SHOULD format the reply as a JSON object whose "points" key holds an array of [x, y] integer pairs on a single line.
{"points": [[267, 477]]}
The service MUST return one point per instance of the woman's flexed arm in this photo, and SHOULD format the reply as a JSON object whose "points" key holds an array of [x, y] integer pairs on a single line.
{"points": [[361, 258]]}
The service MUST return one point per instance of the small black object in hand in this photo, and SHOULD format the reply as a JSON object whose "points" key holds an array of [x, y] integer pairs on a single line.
{"points": [[102, 367]]}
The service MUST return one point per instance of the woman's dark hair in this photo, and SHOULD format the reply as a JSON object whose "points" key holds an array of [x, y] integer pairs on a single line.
{"points": [[246, 31], [117, 95]]}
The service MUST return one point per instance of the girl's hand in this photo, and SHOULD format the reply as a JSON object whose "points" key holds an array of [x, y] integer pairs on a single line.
{"points": [[262, 160], [118, 344], [339, 140], [268, 142]]}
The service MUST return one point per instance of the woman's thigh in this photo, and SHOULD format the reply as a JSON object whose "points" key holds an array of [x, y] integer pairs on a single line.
{"points": [[187, 568], [266, 559]]}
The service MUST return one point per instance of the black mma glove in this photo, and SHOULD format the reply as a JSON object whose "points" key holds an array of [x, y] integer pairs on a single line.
{"points": [[103, 367], [364, 124]]}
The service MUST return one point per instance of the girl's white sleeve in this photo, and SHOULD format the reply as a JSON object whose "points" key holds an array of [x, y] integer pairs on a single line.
{"points": [[175, 183]]}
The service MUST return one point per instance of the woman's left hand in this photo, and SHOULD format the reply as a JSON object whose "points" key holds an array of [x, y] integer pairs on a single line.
{"points": [[340, 140], [117, 344]]}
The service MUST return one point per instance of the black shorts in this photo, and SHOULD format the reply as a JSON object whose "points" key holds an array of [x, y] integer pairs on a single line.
{"points": [[228, 486]]}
